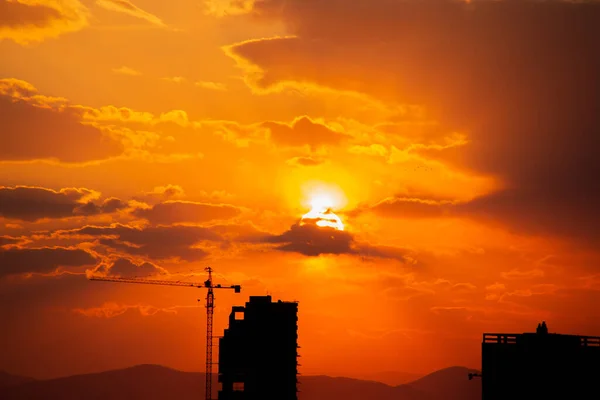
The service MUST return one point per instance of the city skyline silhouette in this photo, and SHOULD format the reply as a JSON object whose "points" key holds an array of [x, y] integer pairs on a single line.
{"points": [[414, 174]]}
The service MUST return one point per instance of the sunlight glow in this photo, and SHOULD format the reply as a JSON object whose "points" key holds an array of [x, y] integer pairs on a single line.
{"points": [[323, 195], [321, 213], [321, 202]]}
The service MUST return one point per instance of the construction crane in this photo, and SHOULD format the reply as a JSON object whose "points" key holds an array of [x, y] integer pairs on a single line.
{"points": [[210, 305]]}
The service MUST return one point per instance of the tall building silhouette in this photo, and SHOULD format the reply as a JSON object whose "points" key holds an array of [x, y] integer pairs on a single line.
{"points": [[258, 352], [540, 365]]}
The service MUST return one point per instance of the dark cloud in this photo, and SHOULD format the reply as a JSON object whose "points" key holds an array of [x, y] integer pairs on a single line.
{"points": [[42, 260], [111, 205], [6, 240], [555, 217], [159, 243], [302, 132], [520, 78], [305, 161], [34, 203], [403, 207], [32, 128], [312, 240], [170, 212], [14, 14], [166, 192], [161, 193], [571, 212]]}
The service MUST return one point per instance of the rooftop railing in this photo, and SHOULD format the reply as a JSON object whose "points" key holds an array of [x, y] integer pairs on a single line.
{"points": [[511, 338]]}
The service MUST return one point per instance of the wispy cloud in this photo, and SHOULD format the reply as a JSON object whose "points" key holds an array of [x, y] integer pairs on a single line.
{"points": [[112, 309], [211, 85], [127, 7], [126, 71], [223, 8], [175, 79], [29, 21]]}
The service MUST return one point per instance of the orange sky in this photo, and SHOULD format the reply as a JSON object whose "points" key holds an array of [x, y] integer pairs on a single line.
{"points": [[456, 141]]}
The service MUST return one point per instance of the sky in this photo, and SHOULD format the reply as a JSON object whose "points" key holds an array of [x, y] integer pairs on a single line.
{"points": [[454, 145]]}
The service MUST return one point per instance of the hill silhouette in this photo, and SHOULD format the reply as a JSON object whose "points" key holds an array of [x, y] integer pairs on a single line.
{"points": [[149, 382], [7, 379], [391, 378], [449, 384], [154, 382], [325, 388]]}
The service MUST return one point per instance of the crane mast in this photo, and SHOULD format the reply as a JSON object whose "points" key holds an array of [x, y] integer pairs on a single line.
{"points": [[210, 305]]}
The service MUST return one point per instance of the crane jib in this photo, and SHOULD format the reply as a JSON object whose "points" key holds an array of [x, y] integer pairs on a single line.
{"points": [[208, 284]]}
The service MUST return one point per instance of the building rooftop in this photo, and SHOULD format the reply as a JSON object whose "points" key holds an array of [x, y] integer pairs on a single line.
{"points": [[541, 335], [268, 300]]}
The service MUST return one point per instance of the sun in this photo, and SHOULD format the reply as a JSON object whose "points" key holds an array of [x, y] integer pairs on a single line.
{"points": [[321, 213]]}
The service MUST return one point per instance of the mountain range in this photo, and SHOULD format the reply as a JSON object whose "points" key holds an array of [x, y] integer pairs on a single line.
{"points": [[154, 382]]}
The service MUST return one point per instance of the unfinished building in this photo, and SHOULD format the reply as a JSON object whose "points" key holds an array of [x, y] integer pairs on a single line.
{"points": [[540, 365], [258, 351]]}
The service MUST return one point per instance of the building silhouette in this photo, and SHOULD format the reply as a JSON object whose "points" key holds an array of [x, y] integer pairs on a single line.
{"points": [[258, 351], [540, 365]]}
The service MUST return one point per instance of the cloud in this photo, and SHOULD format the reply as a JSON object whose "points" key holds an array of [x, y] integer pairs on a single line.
{"points": [[371, 150], [303, 131], [167, 191], [112, 309], [191, 243], [126, 268], [526, 97], [27, 203], [158, 243], [312, 240], [542, 208], [42, 260], [54, 131], [126, 71], [516, 273], [111, 205], [116, 114], [305, 161], [211, 85], [175, 79], [8, 240], [242, 232], [41, 127], [172, 192], [408, 207], [127, 7], [463, 287], [27, 21], [497, 286], [174, 211], [223, 8], [240, 135], [499, 208]]}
